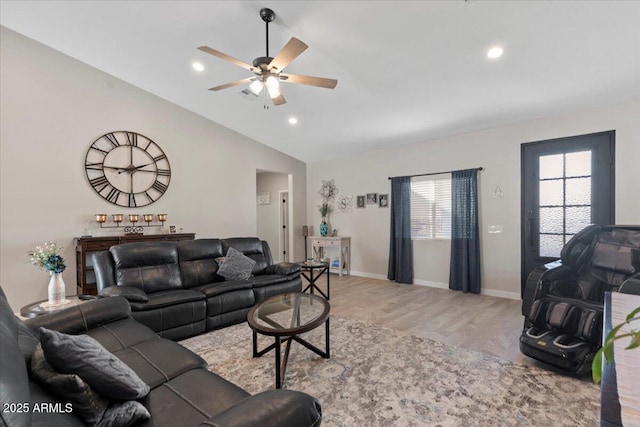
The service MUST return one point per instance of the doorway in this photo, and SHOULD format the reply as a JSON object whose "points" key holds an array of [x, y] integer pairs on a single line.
{"points": [[273, 215], [567, 184]]}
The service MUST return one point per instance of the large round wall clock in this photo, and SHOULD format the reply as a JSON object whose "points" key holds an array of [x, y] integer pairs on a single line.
{"points": [[127, 169]]}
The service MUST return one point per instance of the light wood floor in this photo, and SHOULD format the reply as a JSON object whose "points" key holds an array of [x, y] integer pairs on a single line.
{"points": [[477, 322]]}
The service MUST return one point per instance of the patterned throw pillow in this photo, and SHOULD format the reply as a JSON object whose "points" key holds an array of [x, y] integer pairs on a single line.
{"points": [[88, 405], [235, 265], [82, 355]]}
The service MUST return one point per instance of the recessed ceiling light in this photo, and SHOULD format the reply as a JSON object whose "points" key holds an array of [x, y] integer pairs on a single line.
{"points": [[197, 66], [495, 52], [293, 120]]}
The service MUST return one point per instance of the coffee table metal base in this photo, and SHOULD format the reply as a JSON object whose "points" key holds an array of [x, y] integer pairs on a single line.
{"points": [[281, 365]]}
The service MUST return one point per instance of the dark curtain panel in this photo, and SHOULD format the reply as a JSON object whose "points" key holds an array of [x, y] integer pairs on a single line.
{"points": [[464, 273], [400, 247]]}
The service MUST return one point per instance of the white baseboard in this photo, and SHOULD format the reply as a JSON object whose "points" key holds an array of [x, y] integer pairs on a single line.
{"points": [[441, 285]]}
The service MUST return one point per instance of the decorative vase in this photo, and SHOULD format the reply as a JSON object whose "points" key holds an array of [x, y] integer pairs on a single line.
{"points": [[324, 227], [56, 289]]}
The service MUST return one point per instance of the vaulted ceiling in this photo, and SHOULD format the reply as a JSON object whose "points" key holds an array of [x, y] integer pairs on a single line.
{"points": [[407, 71]]}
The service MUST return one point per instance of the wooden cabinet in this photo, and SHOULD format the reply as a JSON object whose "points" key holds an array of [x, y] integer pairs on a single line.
{"points": [[343, 248], [85, 246]]}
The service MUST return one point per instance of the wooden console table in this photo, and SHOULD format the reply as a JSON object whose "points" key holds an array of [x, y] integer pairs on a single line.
{"points": [[85, 246], [343, 244]]}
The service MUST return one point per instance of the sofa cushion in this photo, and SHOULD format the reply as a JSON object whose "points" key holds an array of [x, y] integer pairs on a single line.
{"points": [[285, 268], [192, 398], [87, 358], [253, 248], [235, 266], [197, 261], [160, 360], [124, 414], [150, 266]]}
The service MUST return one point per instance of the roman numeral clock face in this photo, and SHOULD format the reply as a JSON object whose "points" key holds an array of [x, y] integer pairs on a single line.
{"points": [[127, 169]]}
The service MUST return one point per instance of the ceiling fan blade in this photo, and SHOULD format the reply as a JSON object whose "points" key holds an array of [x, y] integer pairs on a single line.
{"points": [[279, 100], [309, 80], [226, 57], [289, 52], [234, 83]]}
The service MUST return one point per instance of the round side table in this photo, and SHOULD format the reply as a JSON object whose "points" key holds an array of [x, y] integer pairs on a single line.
{"points": [[39, 308]]}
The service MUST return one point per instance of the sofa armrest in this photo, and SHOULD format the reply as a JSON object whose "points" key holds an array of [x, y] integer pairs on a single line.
{"points": [[631, 285], [131, 293], [272, 408], [284, 268], [82, 317]]}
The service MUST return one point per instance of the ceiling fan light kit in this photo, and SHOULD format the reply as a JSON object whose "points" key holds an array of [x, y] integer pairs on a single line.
{"points": [[268, 70]]}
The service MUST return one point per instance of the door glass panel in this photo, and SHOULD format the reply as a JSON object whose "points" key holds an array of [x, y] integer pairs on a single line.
{"points": [[552, 166], [578, 218], [578, 164], [551, 193], [564, 204], [551, 220], [551, 245], [579, 191]]}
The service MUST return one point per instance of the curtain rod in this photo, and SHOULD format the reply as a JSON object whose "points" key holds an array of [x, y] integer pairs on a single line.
{"points": [[433, 173]]}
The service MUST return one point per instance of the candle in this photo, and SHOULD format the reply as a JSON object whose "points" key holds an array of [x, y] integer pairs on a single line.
{"points": [[117, 218], [101, 218], [162, 217], [133, 218], [148, 217]]}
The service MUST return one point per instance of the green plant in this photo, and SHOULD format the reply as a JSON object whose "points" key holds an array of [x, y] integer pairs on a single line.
{"points": [[612, 336], [47, 258], [324, 209]]}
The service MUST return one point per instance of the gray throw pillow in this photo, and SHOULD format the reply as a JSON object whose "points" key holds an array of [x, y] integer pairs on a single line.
{"points": [[236, 266], [87, 358], [88, 405]]}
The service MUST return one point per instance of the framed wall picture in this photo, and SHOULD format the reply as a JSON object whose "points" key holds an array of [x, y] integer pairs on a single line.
{"points": [[264, 198], [360, 201], [383, 200], [372, 198], [343, 204]]}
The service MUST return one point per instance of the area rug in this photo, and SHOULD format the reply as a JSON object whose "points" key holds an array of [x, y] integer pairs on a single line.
{"points": [[379, 377]]}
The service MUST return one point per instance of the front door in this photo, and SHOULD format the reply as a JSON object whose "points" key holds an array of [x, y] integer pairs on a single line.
{"points": [[567, 184]]}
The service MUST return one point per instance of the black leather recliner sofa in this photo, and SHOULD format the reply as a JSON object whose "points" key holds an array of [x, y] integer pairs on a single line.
{"points": [[174, 288], [183, 392], [563, 301]]}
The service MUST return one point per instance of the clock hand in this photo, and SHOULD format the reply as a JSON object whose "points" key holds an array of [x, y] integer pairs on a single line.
{"points": [[113, 167], [132, 169]]}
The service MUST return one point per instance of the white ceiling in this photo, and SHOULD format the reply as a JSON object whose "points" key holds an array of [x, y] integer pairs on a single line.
{"points": [[407, 71]]}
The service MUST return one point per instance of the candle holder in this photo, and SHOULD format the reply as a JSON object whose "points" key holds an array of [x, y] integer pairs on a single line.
{"points": [[134, 228]]}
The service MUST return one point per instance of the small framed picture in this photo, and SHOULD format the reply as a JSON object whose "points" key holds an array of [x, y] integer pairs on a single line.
{"points": [[372, 198], [172, 229], [383, 200], [360, 201]]}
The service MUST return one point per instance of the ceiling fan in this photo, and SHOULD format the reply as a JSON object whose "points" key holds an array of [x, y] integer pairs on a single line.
{"points": [[268, 70]]}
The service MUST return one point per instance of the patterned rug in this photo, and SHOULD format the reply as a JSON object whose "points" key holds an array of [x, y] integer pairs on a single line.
{"points": [[379, 377]]}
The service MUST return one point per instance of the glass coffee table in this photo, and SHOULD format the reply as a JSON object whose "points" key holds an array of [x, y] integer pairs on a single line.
{"points": [[285, 317]]}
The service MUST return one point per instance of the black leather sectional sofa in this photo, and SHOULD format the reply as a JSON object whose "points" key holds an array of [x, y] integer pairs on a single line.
{"points": [[182, 391], [174, 288]]}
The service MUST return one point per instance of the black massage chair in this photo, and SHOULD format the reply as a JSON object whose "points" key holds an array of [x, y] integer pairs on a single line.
{"points": [[563, 300]]}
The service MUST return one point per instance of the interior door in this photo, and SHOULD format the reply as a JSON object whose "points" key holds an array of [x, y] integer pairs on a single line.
{"points": [[567, 184]]}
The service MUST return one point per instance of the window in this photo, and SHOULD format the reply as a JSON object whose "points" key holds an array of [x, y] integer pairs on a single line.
{"points": [[431, 207], [565, 199]]}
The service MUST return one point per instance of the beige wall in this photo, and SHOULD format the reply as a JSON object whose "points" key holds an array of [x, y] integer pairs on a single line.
{"points": [[53, 107], [269, 215], [498, 151]]}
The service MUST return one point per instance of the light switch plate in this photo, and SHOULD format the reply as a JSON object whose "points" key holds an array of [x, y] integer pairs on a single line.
{"points": [[495, 229]]}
